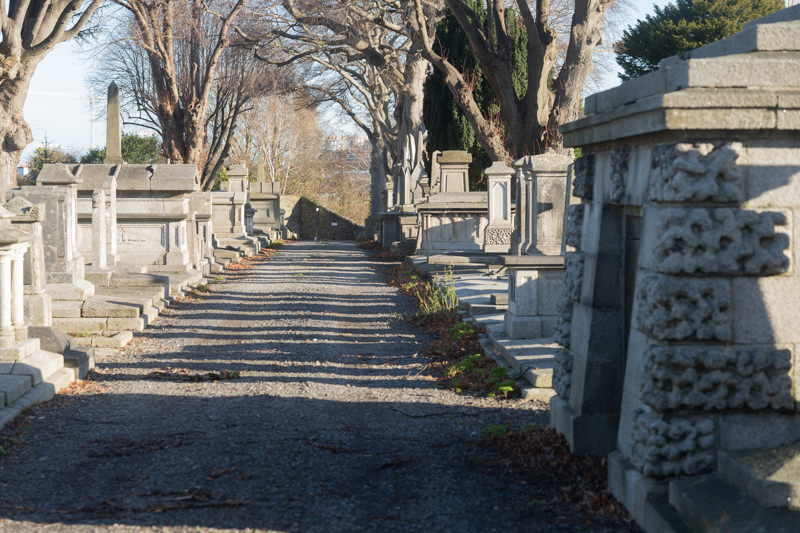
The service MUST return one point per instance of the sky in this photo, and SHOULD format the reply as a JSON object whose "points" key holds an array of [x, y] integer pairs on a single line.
{"points": [[59, 103]]}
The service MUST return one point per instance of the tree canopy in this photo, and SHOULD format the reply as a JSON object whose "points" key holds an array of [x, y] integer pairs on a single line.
{"points": [[136, 149], [682, 26]]}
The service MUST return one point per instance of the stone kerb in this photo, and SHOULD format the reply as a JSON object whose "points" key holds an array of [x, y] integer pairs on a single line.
{"points": [[679, 326]]}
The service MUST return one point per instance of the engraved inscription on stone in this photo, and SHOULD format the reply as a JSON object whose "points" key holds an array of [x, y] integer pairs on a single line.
{"points": [[696, 172], [720, 241], [142, 237], [682, 309], [708, 378], [664, 448]]}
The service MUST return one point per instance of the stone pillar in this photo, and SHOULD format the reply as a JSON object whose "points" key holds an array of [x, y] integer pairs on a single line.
{"points": [[113, 127], [110, 190], [546, 189], [99, 259], [498, 233], [521, 237], [13, 245], [7, 335], [17, 285]]}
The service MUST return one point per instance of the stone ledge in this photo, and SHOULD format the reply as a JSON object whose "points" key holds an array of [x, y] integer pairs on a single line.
{"points": [[532, 261]]}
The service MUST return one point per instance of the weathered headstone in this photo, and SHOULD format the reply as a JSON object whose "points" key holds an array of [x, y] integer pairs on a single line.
{"points": [[497, 236]]}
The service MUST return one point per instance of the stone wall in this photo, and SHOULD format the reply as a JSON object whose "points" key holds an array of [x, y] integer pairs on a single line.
{"points": [[307, 220]]}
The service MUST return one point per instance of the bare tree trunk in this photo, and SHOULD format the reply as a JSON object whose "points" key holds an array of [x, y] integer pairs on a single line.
{"points": [[378, 173], [14, 131], [411, 131]]}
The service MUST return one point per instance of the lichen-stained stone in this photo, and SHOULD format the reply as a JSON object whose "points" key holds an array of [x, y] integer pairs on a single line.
{"points": [[675, 309], [583, 186], [574, 225]]}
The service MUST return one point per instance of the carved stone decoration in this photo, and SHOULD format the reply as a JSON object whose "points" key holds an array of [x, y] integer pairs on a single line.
{"points": [[619, 171], [701, 172], [699, 377], [563, 326], [720, 241], [574, 227], [674, 309], [573, 279], [498, 236], [584, 177], [562, 373], [665, 448]]}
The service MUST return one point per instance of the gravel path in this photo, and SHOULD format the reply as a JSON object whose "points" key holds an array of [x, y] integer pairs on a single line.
{"points": [[331, 426]]}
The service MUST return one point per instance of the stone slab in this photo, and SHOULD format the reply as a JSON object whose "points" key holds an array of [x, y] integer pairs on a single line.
{"points": [[66, 309], [80, 360], [80, 290], [39, 365], [12, 388], [771, 476], [708, 503], [110, 307]]}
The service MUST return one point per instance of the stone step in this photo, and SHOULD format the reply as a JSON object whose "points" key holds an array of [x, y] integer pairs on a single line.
{"points": [[477, 309], [110, 307], [42, 392], [78, 327], [136, 279], [67, 308], [533, 359], [99, 278], [13, 388], [80, 359], [80, 290], [20, 350], [769, 476], [156, 295], [39, 365], [710, 504], [105, 339]]}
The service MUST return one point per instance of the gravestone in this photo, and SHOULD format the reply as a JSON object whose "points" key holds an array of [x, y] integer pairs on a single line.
{"points": [[680, 347], [229, 218], [497, 236], [265, 200]]}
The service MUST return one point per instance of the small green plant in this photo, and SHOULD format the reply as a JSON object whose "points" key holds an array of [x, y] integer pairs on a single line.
{"points": [[467, 364], [202, 287], [298, 275], [496, 430], [274, 245], [81, 334], [461, 330]]}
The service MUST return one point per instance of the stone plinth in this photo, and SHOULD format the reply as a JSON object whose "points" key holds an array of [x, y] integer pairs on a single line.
{"points": [[265, 201], [201, 230], [497, 236], [535, 284], [680, 332]]}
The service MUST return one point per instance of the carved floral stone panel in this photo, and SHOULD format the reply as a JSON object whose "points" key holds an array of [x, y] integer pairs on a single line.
{"points": [[562, 373], [584, 177], [710, 378], [674, 309], [672, 447], [720, 241], [620, 158], [686, 172], [574, 227], [573, 278], [498, 236]]}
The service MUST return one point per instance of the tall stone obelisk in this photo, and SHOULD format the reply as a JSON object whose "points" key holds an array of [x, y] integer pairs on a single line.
{"points": [[113, 127]]}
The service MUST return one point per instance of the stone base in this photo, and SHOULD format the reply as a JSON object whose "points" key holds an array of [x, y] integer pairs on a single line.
{"points": [[587, 434], [523, 327], [38, 309]]}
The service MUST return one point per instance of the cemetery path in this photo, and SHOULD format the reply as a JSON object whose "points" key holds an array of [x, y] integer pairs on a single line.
{"points": [[330, 426]]}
